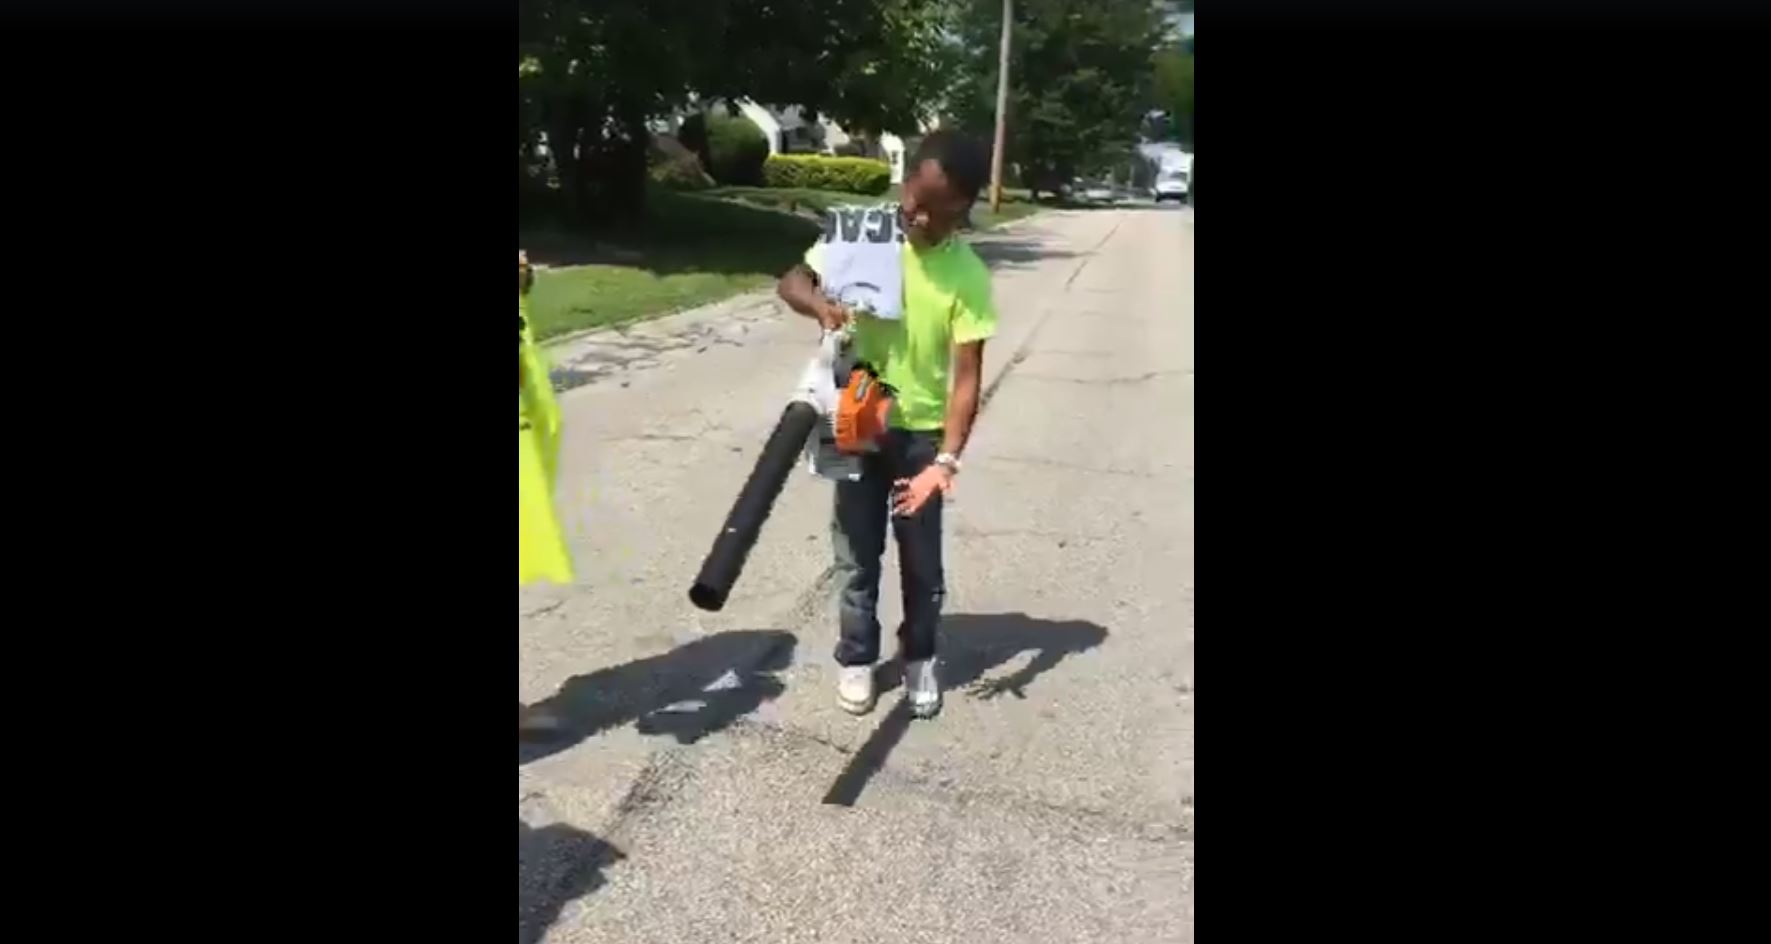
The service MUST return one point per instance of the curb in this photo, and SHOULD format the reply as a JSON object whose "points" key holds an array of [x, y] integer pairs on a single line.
{"points": [[740, 300], [1013, 223]]}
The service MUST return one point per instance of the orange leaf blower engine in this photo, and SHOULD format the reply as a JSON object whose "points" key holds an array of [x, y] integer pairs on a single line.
{"points": [[856, 408]]}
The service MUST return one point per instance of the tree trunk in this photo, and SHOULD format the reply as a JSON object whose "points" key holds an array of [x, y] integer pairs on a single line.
{"points": [[627, 180], [615, 177], [562, 147], [584, 197], [602, 172]]}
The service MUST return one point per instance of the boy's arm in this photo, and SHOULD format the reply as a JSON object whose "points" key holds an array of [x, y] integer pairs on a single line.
{"points": [[799, 289], [974, 323], [962, 407]]}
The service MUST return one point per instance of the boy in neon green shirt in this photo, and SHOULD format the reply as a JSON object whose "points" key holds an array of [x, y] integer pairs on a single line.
{"points": [[933, 356]]}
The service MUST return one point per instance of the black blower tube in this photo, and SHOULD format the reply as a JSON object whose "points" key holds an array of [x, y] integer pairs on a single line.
{"points": [[726, 560]]}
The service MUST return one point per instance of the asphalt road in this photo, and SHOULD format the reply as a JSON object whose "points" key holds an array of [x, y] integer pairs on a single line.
{"points": [[707, 788]]}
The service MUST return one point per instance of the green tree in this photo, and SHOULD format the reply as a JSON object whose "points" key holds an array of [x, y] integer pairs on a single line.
{"points": [[1172, 92], [896, 79], [1079, 82], [591, 74]]}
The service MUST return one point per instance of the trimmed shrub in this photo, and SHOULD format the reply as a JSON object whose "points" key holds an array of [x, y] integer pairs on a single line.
{"points": [[817, 172], [736, 149]]}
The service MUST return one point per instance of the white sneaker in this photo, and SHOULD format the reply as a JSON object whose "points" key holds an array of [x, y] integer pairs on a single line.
{"points": [[921, 688], [854, 689]]}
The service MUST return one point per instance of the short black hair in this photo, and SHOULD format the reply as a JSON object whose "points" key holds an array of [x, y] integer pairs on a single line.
{"points": [[962, 158]]}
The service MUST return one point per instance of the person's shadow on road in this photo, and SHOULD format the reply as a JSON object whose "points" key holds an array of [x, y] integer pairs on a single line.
{"points": [[974, 644], [971, 645], [686, 693], [555, 865]]}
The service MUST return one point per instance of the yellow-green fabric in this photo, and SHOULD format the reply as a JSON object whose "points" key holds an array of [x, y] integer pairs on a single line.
{"points": [[541, 543], [947, 301]]}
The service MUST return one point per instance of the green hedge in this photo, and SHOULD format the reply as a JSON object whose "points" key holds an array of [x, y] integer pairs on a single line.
{"points": [[817, 172]]}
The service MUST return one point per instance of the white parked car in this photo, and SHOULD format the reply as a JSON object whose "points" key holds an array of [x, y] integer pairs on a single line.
{"points": [[1099, 193], [1171, 184]]}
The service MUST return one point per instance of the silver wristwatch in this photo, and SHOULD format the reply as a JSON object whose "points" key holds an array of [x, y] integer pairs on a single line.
{"points": [[949, 460]]}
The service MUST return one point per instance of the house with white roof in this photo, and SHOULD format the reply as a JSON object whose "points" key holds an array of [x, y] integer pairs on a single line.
{"points": [[790, 132]]}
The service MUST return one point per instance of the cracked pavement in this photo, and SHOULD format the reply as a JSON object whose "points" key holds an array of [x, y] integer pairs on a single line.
{"points": [[705, 787]]}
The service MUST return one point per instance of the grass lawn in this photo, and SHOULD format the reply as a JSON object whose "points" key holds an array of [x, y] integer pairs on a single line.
{"points": [[1012, 209], [689, 252], [566, 300], [694, 249], [1015, 204]]}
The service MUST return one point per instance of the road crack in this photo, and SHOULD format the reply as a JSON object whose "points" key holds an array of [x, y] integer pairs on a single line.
{"points": [[1026, 347], [656, 785], [1144, 377], [544, 609], [1062, 537], [1061, 464]]}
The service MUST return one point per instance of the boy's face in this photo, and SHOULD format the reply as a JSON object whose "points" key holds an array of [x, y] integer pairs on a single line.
{"points": [[931, 207]]}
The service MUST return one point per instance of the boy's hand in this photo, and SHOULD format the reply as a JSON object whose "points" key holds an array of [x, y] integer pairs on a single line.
{"points": [[833, 315], [912, 494]]}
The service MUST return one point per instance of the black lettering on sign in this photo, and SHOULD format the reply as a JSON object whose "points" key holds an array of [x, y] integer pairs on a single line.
{"points": [[829, 225], [851, 225], [879, 225]]}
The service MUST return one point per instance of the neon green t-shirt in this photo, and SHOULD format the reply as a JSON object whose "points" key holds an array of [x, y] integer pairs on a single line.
{"points": [[946, 302]]}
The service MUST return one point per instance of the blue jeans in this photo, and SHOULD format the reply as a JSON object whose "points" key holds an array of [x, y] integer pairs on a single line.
{"points": [[858, 533]]}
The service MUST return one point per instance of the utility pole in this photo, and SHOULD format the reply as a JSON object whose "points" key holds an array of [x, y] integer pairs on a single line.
{"points": [[1008, 12]]}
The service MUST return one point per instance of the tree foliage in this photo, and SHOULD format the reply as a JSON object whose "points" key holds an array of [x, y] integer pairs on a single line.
{"points": [[591, 74], [895, 74], [1079, 81], [1172, 92]]}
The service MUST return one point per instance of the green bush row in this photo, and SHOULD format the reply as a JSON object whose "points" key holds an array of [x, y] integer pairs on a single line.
{"points": [[815, 171]]}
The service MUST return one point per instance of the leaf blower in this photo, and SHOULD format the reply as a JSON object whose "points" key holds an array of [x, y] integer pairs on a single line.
{"points": [[836, 416]]}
